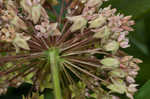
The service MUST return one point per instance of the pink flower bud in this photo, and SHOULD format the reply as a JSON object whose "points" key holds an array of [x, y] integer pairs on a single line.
{"points": [[29, 2], [130, 79], [132, 88]]}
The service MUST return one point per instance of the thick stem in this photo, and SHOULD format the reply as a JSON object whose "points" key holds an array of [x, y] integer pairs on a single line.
{"points": [[53, 58]]}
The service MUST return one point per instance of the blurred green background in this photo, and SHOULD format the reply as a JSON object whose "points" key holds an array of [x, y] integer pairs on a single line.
{"points": [[140, 47]]}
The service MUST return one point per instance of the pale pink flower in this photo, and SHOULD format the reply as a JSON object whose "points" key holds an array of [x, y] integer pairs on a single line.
{"points": [[107, 12], [37, 27], [130, 79], [132, 88], [122, 36], [115, 97], [29, 2], [133, 73], [87, 94], [130, 95], [125, 43]]}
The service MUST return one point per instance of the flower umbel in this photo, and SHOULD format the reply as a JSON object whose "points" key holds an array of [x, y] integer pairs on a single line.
{"points": [[77, 49]]}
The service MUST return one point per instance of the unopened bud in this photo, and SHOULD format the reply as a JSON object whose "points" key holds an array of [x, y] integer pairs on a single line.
{"points": [[110, 62], [98, 22], [36, 13], [79, 22], [112, 46]]}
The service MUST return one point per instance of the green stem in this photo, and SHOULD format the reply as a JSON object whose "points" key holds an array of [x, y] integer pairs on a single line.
{"points": [[53, 58]]}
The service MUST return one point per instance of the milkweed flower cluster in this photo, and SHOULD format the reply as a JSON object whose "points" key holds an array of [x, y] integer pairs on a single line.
{"points": [[87, 38]]}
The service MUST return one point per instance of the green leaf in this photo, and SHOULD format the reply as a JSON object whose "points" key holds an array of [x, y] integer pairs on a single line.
{"points": [[17, 93], [48, 94], [144, 91], [138, 40], [137, 8], [51, 15], [141, 46], [144, 72]]}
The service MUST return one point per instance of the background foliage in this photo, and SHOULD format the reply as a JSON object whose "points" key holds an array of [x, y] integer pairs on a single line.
{"points": [[139, 39]]}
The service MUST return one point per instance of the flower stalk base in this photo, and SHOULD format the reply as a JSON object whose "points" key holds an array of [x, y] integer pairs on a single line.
{"points": [[53, 59]]}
